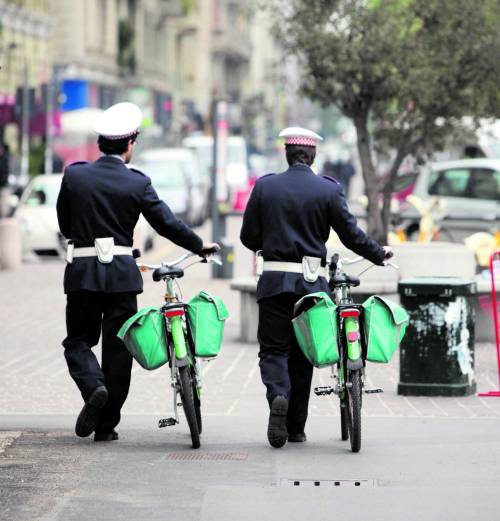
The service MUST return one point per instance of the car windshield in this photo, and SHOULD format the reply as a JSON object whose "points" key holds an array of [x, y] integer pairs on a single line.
{"points": [[164, 174], [43, 193]]}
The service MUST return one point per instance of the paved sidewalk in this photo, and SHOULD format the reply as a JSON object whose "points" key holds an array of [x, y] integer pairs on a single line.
{"points": [[421, 458]]}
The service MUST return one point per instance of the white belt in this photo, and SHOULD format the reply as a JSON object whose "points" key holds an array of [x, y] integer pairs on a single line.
{"points": [[90, 251], [290, 267]]}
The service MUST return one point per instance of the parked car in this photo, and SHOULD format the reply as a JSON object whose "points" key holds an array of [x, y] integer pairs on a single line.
{"points": [[237, 174], [176, 176], [37, 212], [469, 190]]}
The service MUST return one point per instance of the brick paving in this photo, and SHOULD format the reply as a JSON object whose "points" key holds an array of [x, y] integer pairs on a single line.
{"points": [[35, 380]]}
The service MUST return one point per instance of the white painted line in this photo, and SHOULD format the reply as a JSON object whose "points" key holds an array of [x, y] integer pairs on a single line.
{"points": [[15, 361], [413, 407], [485, 400], [24, 368], [472, 414], [235, 362], [243, 388], [437, 406]]}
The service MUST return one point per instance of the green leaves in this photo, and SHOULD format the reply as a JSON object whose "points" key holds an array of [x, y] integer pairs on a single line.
{"points": [[402, 64]]}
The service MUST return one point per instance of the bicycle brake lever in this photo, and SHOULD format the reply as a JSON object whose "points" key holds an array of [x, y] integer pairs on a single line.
{"points": [[216, 260]]}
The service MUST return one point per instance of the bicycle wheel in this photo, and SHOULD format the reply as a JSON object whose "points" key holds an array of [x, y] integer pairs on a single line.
{"points": [[188, 404], [344, 432], [354, 410]]}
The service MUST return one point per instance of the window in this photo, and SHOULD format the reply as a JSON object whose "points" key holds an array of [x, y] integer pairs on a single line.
{"points": [[485, 184], [451, 183], [474, 183]]}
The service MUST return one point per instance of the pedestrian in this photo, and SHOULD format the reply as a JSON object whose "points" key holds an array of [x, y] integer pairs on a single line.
{"points": [[346, 173], [98, 207], [288, 219], [4, 179]]}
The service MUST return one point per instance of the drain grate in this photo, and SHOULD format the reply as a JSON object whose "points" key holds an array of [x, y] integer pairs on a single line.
{"points": [[207, 456], [370, 483]]}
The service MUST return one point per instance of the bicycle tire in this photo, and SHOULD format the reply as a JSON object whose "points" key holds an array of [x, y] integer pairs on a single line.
{"points": [[197, 407], [354, 410], [344, 430], [187, 398]]}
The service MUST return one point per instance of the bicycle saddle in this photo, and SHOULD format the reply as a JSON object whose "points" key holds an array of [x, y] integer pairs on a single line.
{"points": [[345, 278], [163, 272]]}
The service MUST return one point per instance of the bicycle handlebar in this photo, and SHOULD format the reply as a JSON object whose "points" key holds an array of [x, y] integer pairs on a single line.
{"points": [[203, 259], [339, 262]]}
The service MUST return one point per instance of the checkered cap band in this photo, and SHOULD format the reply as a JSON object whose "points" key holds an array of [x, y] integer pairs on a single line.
{"points": [[300, 140]]}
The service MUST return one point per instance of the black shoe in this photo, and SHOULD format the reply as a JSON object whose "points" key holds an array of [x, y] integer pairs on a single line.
{"points": [[106, 436], [89, 415], [276, 430], [298, 437]]}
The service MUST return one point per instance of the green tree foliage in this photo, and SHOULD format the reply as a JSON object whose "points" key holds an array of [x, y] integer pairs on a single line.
{"points": [[405, 71]]}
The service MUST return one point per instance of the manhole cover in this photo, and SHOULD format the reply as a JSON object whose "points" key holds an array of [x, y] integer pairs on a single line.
{"points": [[207, 456], [285, 482]]}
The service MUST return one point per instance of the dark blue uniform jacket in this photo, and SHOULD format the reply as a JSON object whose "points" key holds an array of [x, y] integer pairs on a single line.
{"points": [[289, 216], [105, 199]]}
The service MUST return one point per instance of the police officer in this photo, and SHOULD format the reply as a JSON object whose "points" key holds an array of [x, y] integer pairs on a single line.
{"points": [[288, 218], [97, 208]]}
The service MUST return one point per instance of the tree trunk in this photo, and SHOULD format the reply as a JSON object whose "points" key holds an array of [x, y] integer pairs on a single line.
{"points": [[389, 187], [375, 226]]}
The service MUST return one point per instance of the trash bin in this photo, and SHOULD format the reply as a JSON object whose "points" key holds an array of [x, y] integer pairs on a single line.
{"points": [[226, 253], [437, 352]]}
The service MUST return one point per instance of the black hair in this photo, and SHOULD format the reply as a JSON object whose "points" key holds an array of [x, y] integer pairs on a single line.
{"points": [[300, 154], [115, 146]]}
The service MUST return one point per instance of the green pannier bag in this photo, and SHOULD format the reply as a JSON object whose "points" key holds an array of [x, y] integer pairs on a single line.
{"points": [[144, 336], [385, 325], [316, 329], [206, 315]]}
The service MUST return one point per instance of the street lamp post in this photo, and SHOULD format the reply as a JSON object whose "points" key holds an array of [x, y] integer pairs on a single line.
{"points": [[25, 120], [49, 109]]}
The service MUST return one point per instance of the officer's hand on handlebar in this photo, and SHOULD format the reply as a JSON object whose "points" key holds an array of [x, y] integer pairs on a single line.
{"points": [[389, 252], [209, 248]]}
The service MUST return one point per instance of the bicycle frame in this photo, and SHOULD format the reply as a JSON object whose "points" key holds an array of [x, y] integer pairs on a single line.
{"points": [[180, 346]]}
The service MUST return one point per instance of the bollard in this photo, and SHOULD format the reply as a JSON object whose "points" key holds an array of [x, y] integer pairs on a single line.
{"points": [[10, 244], [226, 253]]}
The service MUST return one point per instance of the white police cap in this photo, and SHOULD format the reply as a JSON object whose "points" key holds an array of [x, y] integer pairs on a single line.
{"points": [[119, 121], [300, 136]]}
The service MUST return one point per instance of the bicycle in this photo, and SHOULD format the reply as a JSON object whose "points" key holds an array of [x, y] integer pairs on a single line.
{"points": [[352, 343], [185, 376]]}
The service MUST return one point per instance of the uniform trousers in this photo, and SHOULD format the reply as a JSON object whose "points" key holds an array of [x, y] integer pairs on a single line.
{"points": [[87, 313], [283, 367]]}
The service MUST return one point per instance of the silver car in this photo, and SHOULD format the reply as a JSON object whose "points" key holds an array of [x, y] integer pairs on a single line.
{"points": [[176, 176], [469, 190]]}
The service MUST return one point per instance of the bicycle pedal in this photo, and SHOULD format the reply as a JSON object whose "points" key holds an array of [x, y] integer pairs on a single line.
{"points": [[167, 422], [374, 391], [323, 391]]}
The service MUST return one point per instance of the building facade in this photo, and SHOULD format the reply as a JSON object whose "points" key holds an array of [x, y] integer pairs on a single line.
{"points": [[25, 60]]}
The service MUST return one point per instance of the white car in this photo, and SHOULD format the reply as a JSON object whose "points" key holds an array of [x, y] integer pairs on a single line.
{"points": [[176, 177], [469, 191], [237, 174], [38, 216]]}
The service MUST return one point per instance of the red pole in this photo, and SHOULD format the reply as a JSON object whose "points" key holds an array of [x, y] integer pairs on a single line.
{"points": [[495, 310]]}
